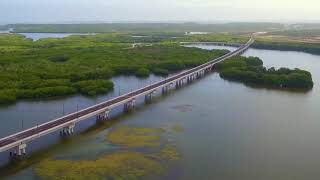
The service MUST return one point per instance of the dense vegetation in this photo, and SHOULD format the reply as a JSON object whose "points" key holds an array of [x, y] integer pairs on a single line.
{"points": [[84, 64], [218, 37], [298, 32], [297, 37], [287, 46], [251, 71]]}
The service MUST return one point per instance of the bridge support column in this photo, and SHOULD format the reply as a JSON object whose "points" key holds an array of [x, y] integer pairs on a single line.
{"points": [[193, 76], [188, 79], [19, 151], [68, 130], [165, 89], [148, 97], [199, 74], [208, 69], [179, 83], [128, 106], [104, 115], [213, 67]]}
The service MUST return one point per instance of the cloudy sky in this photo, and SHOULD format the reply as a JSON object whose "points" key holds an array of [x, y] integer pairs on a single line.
{"points": [[42, 11]]}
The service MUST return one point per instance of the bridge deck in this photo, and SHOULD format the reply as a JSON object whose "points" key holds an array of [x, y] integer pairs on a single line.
{"points": [[29, 134]]}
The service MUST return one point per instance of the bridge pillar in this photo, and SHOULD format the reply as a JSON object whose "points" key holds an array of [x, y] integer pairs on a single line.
{"points": [[177, 84], [181, 82], [104, 115], [171, 85], [165, 89], [68, 130], [190, 78], [19, 151], [128, 106], [213, 67], [208, 69], [148, 97], [193, 77]]}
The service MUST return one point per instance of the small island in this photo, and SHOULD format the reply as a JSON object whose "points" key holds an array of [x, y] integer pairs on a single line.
{"points": [[250, 70]]}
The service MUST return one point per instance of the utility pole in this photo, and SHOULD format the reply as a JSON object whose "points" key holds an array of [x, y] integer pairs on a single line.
{"points": [[63, 109], [37, 128], [77, 110], [22, 124]]}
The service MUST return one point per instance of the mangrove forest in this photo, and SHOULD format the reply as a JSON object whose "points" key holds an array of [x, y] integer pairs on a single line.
{"points": [[51, 67], [250, 70]]}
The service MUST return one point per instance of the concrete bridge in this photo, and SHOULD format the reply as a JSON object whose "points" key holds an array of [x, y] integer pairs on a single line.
{"points": [[212, 43], [17, 143]]}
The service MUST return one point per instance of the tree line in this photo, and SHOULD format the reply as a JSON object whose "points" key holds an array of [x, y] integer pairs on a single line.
{"points": [[250, 70]]}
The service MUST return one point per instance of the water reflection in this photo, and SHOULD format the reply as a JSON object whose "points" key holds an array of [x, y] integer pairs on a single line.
{"points": [[37, 36]]}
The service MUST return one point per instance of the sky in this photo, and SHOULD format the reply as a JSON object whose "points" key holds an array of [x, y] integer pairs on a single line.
{"points": [[64, 11]]}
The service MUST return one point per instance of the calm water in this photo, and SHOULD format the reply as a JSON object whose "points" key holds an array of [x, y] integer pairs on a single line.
{"points": [[6, 31], [231, 131], [37, 36]]}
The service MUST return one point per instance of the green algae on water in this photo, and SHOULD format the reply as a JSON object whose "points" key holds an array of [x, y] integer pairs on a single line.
{"points": [[178, 128], [118, 165], [127, 164], [135, 137], [169, 152]]}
